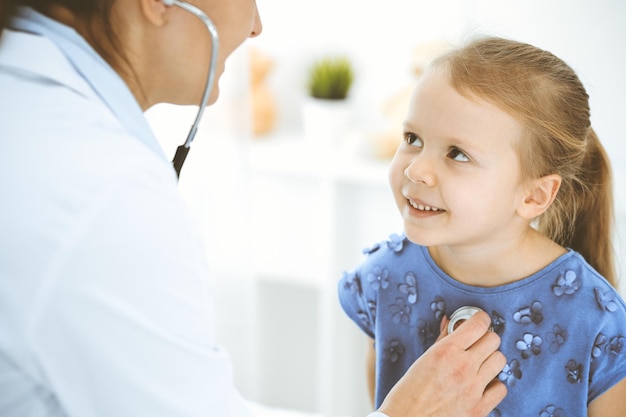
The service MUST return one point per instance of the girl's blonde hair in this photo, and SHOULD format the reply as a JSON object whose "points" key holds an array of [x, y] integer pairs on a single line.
{"points": [[545, 95]]}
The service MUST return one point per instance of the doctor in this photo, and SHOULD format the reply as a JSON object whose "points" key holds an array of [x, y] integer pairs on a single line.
{"points": [[104, 309]]}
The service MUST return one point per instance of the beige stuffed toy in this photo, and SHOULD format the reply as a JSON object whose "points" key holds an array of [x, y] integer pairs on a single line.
{"points": [[263, 102]]}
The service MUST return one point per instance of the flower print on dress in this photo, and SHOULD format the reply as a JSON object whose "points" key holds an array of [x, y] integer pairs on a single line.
{"points": [[371, 306], [552, 411], [395, 242], [426, 333], [598, 346], [365, 319], [371, 249], [400, 311], [438, 306], [393, 351], [351, 282], [567, 284], [606, 300], [616, 345], [511, 373], [498, 322], [409, 287], [574, 371], [556, 338], [530, 345], [532, 314], [378, 278]]}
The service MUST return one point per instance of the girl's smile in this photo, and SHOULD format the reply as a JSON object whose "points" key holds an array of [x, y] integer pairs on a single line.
{"points": [[421, 209]]}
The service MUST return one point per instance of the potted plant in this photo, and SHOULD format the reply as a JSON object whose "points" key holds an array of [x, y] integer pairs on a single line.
{"points": [[330, 79], [326, 111]]}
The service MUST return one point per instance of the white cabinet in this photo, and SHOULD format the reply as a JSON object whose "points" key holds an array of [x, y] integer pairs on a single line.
{"points": [[313, 210]]}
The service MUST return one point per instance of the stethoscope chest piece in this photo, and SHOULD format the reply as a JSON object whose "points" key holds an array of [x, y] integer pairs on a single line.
{"points": [[460, 315]]}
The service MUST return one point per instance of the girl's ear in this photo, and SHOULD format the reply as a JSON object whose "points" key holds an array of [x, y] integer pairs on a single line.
{"points": [[154, 11], [540, 195]]}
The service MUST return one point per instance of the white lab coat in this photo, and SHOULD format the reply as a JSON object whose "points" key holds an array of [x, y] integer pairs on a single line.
{"points": [[104, 304]]}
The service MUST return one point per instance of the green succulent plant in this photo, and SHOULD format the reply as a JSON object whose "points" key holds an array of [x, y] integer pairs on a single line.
{"points": [[331, 78]]}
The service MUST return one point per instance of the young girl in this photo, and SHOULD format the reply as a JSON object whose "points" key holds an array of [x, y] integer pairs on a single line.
{"points": [[505, 194]]}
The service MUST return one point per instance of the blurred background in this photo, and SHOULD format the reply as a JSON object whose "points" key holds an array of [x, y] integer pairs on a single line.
{"points": [[287, 203]]}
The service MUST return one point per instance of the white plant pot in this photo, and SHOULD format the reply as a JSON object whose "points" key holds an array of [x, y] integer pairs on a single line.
{"points": [[326, 122]]}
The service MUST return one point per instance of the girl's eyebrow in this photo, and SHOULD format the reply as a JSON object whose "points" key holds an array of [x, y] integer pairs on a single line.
{"points": [[452, 140], [460, 142], [406, 126]]}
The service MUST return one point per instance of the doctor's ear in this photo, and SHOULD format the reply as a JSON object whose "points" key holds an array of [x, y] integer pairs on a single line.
{"points": [[540, 194], [154, 10]]}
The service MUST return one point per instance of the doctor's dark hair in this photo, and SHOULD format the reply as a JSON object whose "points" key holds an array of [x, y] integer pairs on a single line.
{"points": [[546, 96], [7, 8], [90, 11]]}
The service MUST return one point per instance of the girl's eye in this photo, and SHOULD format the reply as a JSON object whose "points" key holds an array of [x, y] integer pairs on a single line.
{"points": [[413, 140], [458, 155]]}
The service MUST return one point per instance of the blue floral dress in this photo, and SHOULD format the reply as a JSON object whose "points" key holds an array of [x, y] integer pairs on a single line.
{"points": [[563, 328]]}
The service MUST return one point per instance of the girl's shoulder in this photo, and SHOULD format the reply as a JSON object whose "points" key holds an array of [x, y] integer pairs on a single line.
{"points": [[576, 289], [577, 272], [390, 260]]}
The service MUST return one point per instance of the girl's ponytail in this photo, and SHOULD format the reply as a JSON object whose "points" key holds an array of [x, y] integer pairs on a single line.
{"points": [[593, 228]]}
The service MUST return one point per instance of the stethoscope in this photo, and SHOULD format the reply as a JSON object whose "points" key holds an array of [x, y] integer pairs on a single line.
{"points": [[183, 150], [461, 315]]}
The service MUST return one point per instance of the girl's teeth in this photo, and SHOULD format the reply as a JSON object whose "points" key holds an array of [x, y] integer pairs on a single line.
{"points": [[423, 207]]}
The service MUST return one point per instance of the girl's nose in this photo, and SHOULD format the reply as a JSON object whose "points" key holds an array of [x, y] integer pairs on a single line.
{"points": [[421, 169]]}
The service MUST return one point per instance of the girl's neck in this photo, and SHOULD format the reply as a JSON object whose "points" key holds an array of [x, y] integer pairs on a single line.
{"points": [[499, 264]]}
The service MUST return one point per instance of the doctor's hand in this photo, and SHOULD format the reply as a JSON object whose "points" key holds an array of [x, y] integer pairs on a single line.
{"points": [[456, 377]]}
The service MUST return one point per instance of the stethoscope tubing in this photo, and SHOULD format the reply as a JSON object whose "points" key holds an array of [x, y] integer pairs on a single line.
{"points": [[183, 150]]}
